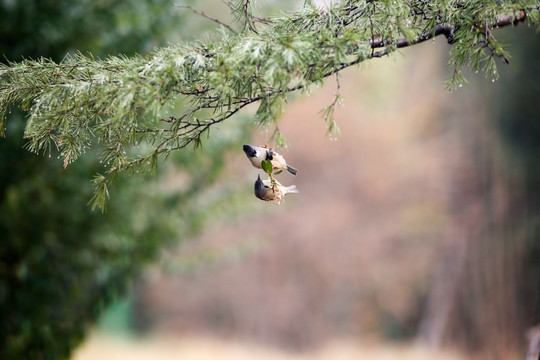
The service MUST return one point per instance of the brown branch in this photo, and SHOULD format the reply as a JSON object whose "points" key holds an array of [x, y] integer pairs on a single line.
{"points": [[192, 135], [440, 29], [505, 20], [264, 21], [249, 16], [203, 14], [443, 29]]}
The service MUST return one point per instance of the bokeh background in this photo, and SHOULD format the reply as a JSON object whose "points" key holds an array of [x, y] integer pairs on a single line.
{"points": [[415, 234]]}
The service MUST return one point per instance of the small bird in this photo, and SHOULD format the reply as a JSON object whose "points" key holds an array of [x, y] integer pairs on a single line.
{"points": [[257, 155], [268, 191]]}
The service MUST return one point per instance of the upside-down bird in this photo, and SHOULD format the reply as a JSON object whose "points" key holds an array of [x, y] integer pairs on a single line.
{"points": [[257, 155], [272, 190]]}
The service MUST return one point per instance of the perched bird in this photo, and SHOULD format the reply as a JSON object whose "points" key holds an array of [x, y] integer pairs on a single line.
{"points": [[265, 190], [257, 155]]}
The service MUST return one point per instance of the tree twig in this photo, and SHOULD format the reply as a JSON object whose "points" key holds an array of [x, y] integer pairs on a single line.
{"points": [[204, 15], [443, 29]]}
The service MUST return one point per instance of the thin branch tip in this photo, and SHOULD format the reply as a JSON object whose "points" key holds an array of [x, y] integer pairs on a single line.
{"points": [[204, 15]]}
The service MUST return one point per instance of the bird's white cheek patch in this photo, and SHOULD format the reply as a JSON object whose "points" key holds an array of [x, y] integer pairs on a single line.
{"points": [[255, 161]]}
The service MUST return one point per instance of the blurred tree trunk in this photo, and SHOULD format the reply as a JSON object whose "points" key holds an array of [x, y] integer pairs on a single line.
{"points": [[487, 290]]}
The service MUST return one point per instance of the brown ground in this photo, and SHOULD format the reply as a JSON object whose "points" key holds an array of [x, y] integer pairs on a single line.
{"points": [[197, 348]]}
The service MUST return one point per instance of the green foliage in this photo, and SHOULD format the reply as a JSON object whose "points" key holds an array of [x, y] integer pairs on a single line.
{"points": [[267, 166], [62, 264], [327, 114], [110, 27], [123, 101]]}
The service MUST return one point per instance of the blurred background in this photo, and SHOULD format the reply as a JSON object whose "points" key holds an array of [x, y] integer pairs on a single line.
{"points": [[415, 234]]}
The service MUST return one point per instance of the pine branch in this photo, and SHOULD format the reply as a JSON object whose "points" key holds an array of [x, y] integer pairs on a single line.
{"points": [[448, 31], [121, 103]]}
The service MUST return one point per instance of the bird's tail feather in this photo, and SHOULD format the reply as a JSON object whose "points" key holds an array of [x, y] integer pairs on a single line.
{"points": [[293, 189], [292, 170]]}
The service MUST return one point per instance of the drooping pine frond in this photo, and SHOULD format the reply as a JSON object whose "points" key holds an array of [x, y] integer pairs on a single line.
{"points": [[118, 103]]}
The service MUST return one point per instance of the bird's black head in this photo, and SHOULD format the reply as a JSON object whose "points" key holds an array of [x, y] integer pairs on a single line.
{"points": [[270, 154], [259, 187], [250, 151], [259, 184]]}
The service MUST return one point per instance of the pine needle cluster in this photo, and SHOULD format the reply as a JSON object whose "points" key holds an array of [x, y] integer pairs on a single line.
{"points": [[118, 103]]}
